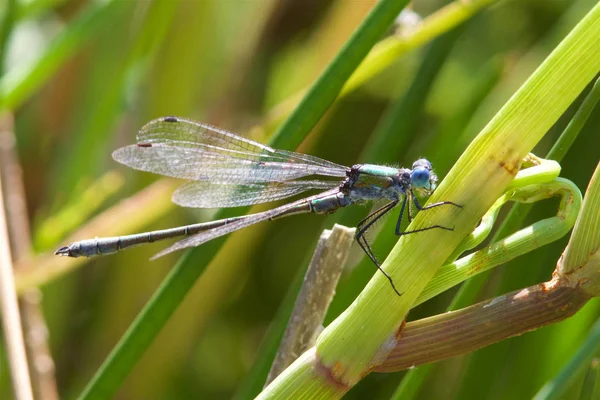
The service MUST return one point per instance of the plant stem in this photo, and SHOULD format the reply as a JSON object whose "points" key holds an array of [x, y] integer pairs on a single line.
{"points": [[11, 321], [458, 332], [582, 255], [315, 296]]}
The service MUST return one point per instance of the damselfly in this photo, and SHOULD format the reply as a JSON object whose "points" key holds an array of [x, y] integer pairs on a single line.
{"points": [[227, 170]]}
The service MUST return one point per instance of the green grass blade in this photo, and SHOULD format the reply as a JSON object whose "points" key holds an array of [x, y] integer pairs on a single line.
{"points": [[566, 139], [8, 22], [591, 389], [327, 87], [138, 337], [556, 387], [20, 83], [257, 376]]}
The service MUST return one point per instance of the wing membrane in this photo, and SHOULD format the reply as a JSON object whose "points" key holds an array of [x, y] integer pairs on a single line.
{"points": [[191, 150], [216, 195]]}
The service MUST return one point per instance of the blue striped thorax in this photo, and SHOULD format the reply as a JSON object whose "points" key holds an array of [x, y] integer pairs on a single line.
{"points": [[371, 182]]}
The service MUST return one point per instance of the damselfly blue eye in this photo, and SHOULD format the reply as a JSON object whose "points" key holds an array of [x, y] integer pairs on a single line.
{"points": [[420, 177]]}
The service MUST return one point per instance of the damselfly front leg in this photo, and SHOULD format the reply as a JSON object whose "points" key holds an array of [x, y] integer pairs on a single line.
{"points": [[412, 196]]}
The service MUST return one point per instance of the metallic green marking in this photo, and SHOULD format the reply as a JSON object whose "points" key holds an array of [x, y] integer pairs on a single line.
{"points": [[378, 170]]}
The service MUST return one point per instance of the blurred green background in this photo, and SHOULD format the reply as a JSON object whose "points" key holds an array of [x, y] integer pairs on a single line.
{"points": [[230, 63]]}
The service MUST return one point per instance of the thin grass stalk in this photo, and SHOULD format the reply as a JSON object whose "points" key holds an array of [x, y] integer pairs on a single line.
{"points": [[570, 133], [11, 320], [591, 390], [318, 288], [40, 360]]}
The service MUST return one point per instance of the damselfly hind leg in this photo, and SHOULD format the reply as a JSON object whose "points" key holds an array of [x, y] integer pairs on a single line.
{"points": [[362, 228]]}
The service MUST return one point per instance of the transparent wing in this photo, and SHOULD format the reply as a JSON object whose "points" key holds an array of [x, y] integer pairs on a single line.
{"points": [[216, 195], [248, 220], [191, 150]]}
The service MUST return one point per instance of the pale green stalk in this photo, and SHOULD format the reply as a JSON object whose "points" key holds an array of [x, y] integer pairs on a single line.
{"points": [[545, 171], [523, 241], [363, 335], [392, 47], [582, 255]]}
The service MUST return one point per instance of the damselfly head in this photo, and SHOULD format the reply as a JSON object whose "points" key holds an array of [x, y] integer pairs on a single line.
{"points": [[422, 176]]}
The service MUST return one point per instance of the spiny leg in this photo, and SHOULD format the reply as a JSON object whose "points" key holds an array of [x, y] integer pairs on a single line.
{"points": [[409, 196], [440, 203], [412, 196], [366, 223], [425, 229], [400, 216], [362, 228]]}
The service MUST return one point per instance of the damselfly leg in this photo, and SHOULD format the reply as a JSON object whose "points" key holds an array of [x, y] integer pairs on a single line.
{"points": [[362, 228], [412, 196], [365, 224]]}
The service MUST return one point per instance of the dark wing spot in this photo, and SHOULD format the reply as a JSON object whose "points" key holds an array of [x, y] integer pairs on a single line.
{"points": [[144, 144], [170, 119]]}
